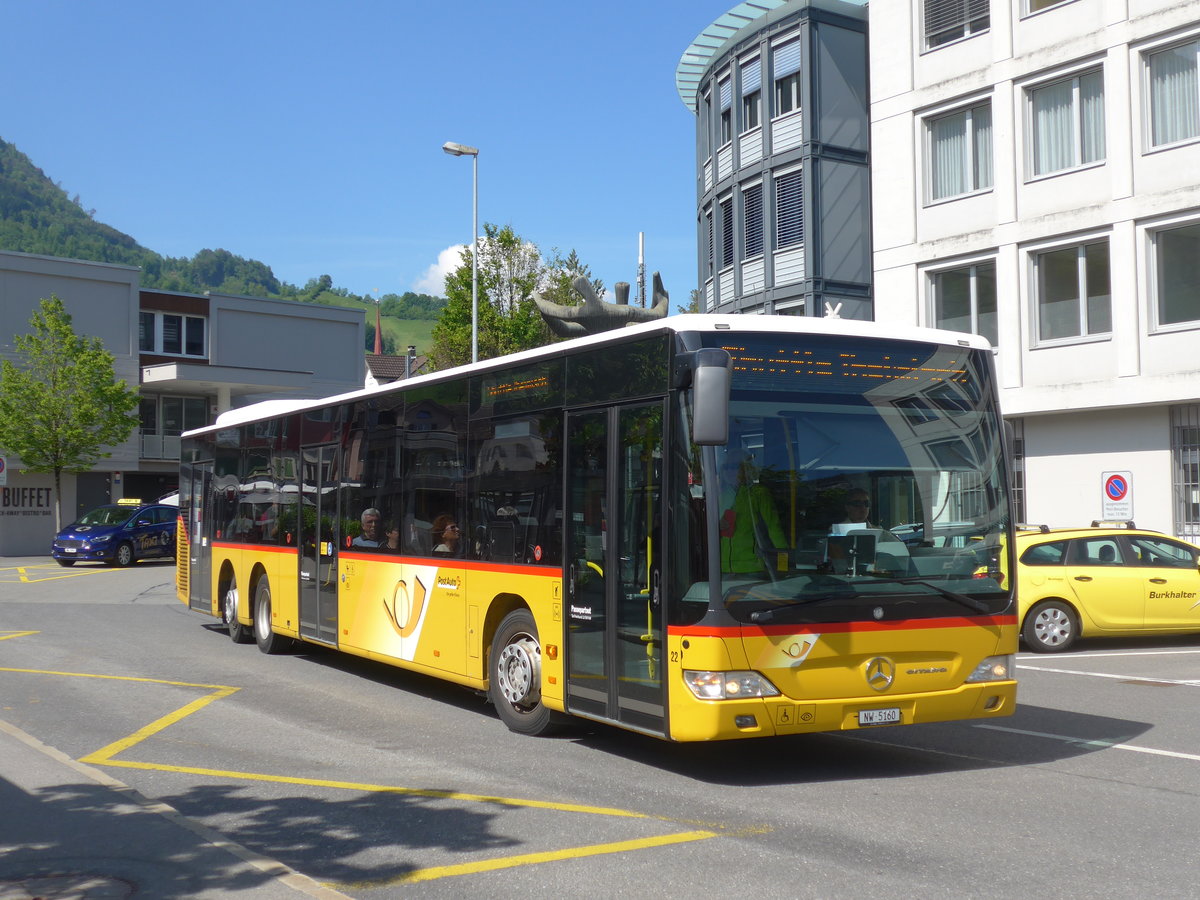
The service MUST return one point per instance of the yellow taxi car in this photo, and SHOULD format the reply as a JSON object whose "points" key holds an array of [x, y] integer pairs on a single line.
{"points": [[1104, 581]]}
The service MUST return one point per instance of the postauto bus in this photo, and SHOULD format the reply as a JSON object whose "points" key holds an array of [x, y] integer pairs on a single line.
{"points": [[649, 528]]}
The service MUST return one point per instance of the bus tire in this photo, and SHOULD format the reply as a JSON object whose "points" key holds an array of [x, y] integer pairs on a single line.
{"points": [[516, 675], [238, 632], [1050, 627], [268, 641]]}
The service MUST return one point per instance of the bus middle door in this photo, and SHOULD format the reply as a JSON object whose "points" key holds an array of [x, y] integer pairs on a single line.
{"points": [[318, 539], [613, 565]]}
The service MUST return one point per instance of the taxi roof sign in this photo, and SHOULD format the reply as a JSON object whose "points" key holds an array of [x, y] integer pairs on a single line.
{"points": [[129, 501]]}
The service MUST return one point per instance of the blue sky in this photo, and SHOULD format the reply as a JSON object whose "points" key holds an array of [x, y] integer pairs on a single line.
{"points": [[308, 135]]}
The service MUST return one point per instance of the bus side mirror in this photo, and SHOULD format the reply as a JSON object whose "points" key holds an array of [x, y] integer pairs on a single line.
{"points": [[710, 373]]}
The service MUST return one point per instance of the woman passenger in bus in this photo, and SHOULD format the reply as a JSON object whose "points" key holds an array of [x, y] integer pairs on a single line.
{"points": [[391, 537], [446, 535]]}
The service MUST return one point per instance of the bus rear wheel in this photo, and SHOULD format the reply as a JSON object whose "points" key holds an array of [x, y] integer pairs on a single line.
{"points": [[516, 675], [268, 641]]}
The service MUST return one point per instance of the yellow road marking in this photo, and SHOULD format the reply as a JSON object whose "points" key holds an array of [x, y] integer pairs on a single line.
{"points": [[22, 574], [106, 757], [509, 862], [5, 635]]}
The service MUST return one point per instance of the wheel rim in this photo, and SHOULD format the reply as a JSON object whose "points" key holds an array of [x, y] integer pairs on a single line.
{"points": [[519, 671], [124, 554], [262, 617], [231, 603], [1053, 627]]}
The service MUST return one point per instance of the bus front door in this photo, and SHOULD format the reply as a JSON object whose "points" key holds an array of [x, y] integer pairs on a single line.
{"points": [[318, 540], [613, 565]]}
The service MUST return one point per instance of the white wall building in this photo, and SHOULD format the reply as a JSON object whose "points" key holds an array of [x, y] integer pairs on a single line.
{"points": [[1036, 179], [191, 356]]}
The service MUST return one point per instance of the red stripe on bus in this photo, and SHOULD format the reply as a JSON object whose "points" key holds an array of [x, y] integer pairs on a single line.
{"points": [[722, 631]]}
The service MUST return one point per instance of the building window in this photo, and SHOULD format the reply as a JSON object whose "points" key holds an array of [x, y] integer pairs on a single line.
{"points": [[726, 90], [147, 332], [726, 232], [708, 229], [1174, 94], [964, 299], [786, 60], [1032, 6], [705, 125], [171, 334], [1067, 123], [1072, 292], [1019, 513], [960, 152], [1185, 465], [752, 220], [1177, 274], [751, 94], [949, 20], [789, 209]]}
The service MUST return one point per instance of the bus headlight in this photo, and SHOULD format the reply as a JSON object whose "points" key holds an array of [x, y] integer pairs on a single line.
{"points": [[728, 685], [994, 668]]}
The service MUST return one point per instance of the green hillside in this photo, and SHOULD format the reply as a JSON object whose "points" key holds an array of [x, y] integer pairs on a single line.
{"points": [[37, 216]]}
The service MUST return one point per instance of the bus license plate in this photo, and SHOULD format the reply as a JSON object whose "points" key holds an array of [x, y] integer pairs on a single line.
{"points": [[879, 716]]}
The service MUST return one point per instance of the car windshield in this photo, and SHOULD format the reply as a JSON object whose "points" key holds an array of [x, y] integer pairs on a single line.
{"points": [[108, 515], [862, 479]]}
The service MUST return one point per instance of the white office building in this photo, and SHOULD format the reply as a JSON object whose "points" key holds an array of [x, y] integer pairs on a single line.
{"points": [[1035, 170]]}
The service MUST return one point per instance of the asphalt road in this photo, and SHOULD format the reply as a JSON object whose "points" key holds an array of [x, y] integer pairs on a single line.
{"points": [[323, 775]]}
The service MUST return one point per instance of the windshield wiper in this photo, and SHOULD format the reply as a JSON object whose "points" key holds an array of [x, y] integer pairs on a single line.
{"points": [[961, 599], [842, 590], [835, 590]]}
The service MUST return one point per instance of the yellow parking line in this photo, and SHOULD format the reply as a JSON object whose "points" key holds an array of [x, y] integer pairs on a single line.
{"points": [[509, 862], [5, 635], [106, 757], [22, 574]]}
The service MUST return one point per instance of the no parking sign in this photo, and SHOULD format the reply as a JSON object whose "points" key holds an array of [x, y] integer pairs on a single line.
{"points": [[1117, 490]]}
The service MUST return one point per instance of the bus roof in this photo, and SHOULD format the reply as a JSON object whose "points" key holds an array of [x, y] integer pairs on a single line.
{"points": [[697, 322]]}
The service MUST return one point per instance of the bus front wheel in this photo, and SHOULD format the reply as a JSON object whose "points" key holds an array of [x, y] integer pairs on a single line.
{"points": [[516, 675], [238, 632]]}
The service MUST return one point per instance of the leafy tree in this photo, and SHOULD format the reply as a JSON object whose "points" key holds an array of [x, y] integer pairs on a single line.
{"points": [[693, 305], [511, 269], [62, 406]]}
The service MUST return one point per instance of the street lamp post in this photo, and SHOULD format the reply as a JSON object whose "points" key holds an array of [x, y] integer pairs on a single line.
{"points": [[463, 150]]}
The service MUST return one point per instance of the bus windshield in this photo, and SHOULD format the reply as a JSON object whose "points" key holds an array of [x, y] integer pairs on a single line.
{"points": [[862, 480]]}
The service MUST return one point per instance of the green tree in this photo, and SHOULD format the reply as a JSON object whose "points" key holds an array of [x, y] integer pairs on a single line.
{"points": [[61, 405], [511, 269]]}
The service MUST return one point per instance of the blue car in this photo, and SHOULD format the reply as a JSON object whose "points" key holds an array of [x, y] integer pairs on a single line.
{"points": [[118, 535]]}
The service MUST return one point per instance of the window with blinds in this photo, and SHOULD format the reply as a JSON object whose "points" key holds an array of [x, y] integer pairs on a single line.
{"points": [[752, 220], [789, 209], [727, 232], [950, 20], [785, 63], [726, 90], [708, 228], [751, 94]]}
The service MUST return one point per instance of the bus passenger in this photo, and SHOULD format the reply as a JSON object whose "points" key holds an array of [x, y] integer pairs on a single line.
{"points": [[391, 537], [749, 524], [371, 535], [446, 534]]}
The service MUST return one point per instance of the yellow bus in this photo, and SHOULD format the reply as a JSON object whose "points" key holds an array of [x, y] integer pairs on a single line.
{"points": [[703, 528]]}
